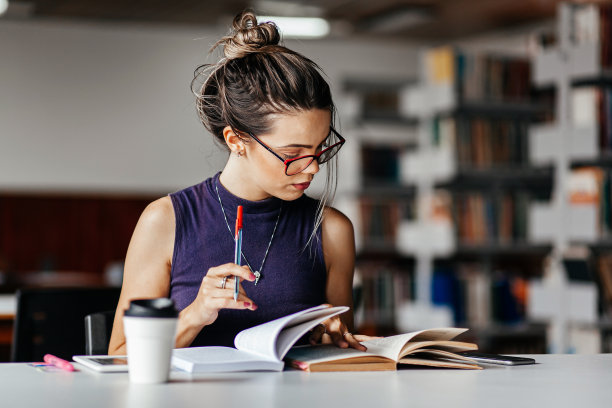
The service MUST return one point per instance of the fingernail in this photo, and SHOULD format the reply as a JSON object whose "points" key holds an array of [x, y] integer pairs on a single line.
{"points": [[247, 304], [252, 276], [254, 306]]}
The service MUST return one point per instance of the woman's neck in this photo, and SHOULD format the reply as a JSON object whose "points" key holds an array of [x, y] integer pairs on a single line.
{"points": [[234, 179]]}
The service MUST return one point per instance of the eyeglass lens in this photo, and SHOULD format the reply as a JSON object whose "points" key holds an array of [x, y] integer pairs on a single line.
{"points": [[299, 165]]}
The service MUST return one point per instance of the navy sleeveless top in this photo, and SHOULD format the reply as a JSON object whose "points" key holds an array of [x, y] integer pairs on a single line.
{"points": [[293, 276]]}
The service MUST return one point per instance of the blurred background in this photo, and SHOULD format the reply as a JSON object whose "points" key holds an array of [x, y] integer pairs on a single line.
{"points": [[477, 167]]}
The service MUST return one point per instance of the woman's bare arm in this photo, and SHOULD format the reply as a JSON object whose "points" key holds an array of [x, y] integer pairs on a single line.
{"points": [[147, 274], [339, 250]]}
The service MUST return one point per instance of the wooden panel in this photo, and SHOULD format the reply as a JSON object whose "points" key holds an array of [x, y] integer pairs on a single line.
{"points": [[65, 233]]}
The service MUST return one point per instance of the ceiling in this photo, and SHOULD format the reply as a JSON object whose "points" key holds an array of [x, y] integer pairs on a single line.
{"points": [[406, 19]]}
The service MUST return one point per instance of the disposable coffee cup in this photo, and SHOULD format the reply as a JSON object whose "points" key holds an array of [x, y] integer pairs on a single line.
{"points": [[150, 328]]}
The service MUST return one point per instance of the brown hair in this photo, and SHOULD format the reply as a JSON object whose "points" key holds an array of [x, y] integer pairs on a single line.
{"points": [[257, 77]]}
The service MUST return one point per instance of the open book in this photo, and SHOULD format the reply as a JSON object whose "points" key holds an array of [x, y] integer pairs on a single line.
{"points": [[261, 347], [432, 347]]}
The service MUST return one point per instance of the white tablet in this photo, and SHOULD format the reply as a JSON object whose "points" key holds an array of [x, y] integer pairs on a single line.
{"points": [[107, 364]]}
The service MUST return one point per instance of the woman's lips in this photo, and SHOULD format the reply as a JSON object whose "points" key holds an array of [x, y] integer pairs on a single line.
{"points": [[302, 186]]}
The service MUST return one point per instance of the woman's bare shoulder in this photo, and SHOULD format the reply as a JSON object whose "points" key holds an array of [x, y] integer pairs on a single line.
{"points": [[159, 213], [335, 221], [155, 228]]}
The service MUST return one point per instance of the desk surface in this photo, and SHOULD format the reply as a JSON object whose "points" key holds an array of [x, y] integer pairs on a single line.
{"points": [[557, 381]]}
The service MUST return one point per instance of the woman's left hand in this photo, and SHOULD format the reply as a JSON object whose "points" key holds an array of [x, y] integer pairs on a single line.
{"points": [[334, 331]]}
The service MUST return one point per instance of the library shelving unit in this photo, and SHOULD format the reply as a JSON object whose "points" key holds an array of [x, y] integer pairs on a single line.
{"points": [[576, 140], [474, 184], [373, 197]]}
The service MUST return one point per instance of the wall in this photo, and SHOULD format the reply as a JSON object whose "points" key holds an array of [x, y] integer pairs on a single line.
{"points": [[107, 108]]}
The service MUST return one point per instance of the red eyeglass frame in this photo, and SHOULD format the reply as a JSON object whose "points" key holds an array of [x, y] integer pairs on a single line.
{"points": [[314, 157]]}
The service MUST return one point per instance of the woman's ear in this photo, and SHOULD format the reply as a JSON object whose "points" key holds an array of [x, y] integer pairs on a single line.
{"points": [[233, 141]]}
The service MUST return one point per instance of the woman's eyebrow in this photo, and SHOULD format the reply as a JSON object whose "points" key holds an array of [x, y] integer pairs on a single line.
{"points": [[303, 145], [296, 145]]}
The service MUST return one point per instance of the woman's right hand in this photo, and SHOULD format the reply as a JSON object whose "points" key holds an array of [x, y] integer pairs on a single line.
{"points": [[212, 296]]}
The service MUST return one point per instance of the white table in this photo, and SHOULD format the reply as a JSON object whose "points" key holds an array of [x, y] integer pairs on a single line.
{"points": [[576, 381]]}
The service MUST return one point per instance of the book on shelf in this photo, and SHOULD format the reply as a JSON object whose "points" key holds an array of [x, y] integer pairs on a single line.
{"points": [[479, 77], [261, 347], [478, 297], [440, 65], [380, 164], [383, 286], [592, 24], [604, 271], [431, 348], [484, 218], [380, 217], [592, 107], [483, 143], [592, 186]]}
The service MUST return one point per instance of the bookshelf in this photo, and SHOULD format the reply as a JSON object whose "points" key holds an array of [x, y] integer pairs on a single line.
{"points": [[415, 181], [482, 179], [475, 184], [375, 197], [577, 145]]}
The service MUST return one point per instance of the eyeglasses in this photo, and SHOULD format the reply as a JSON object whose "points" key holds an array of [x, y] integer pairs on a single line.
{"points": [[299, 164]]}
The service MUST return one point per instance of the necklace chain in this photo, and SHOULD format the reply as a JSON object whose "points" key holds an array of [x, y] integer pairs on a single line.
{"points": [[257, 273]]}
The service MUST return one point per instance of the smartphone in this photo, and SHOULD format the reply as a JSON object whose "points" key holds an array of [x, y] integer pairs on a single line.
{"points": [[497, 358], [116, 364]]}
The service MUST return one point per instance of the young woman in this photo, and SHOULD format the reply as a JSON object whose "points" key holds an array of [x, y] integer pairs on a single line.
{"points": [[273, 110]]}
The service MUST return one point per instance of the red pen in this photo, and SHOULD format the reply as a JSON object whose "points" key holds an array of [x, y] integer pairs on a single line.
{"points": [[58, 362], [238, 248]]}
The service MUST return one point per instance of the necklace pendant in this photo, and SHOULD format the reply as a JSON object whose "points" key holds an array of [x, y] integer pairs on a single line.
{"points": [[257, 276]]}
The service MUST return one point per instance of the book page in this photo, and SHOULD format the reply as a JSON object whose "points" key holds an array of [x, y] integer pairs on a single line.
{"points": [[272, 338], [391, 347], [289, 335], [440, 358], [322, 353], [443, 354], [448, 345]]}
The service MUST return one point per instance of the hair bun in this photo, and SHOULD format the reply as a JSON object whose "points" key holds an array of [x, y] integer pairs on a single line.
{"points": [[248, 37]]}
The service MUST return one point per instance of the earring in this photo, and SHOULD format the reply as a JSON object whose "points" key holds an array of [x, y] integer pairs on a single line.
{"points": [[239, 153]]}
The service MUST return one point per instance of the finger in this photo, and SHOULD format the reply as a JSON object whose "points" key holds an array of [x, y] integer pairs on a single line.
{"points": [[338, 339], [230, 269], [363, 337], [229, 286], [353, 342], [230, 303], [228, 294], [326, 339], [317, 333]]}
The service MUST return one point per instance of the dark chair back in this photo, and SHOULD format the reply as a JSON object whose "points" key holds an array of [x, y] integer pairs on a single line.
{"points": [[50, 320], [98, 329]]}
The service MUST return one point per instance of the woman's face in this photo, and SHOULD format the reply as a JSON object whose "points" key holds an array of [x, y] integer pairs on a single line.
{"points": [[291, 135]]}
